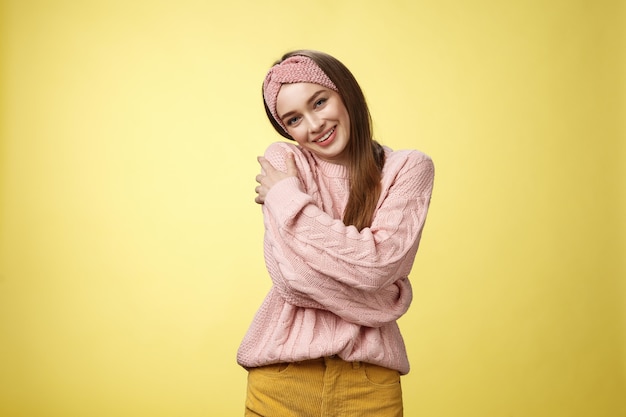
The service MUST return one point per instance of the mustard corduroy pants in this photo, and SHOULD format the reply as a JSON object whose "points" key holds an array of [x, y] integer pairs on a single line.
{"points": [[325, 387]]}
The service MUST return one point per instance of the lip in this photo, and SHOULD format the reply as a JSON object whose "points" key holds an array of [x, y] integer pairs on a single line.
{"points": [[330, 139]]}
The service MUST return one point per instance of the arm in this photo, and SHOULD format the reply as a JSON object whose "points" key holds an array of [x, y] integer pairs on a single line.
{"points": [[361, 277], [372, 258]]}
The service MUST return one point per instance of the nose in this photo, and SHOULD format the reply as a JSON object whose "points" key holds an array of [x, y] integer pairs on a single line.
{"points": [[315, 123]]}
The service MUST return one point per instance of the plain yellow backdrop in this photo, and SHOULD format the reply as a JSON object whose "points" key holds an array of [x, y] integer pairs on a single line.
{"points": [[131, 249]]}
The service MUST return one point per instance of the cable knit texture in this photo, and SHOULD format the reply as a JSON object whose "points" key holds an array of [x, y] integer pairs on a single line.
{"points": [[337, 291]]}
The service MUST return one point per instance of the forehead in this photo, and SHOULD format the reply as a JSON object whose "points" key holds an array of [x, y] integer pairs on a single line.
{"points": [[293, 96]]}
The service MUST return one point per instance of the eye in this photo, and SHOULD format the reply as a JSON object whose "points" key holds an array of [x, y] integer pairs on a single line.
{"points": [[293, 120], [320, 102]]}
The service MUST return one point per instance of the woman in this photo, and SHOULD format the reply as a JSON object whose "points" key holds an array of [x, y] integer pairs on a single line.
{"points": [[343, 219]]}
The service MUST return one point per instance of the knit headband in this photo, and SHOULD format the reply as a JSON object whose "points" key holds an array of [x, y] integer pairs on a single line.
{"points": [[295, 69]]}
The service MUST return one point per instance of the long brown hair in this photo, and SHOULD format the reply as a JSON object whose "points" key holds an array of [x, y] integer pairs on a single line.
{"points": [[367, 157]]}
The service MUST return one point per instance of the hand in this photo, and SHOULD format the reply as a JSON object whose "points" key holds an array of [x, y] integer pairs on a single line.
{"points": [[270, 176]]}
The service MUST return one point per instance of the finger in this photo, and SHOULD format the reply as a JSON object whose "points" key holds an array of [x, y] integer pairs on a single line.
{"points": [[265, 164], [292, 169], [259, 178]]}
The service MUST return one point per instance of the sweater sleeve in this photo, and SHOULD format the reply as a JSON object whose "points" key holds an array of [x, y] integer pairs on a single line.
{"points": [[317, 261]]}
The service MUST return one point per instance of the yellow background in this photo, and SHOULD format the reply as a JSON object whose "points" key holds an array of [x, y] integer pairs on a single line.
{"points": [[130, 246]]}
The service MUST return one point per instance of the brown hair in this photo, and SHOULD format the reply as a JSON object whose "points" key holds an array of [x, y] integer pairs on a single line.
{"points": [[367, 157]]}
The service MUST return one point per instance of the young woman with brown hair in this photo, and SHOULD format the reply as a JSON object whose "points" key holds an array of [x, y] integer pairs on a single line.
{"points": [[343, 220]]}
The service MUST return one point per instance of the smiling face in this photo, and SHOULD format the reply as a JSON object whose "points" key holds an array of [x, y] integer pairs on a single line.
{"points": [[316, 118]]}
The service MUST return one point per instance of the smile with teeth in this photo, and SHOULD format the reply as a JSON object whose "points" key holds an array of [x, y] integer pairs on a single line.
{"points": [[326, 136]]}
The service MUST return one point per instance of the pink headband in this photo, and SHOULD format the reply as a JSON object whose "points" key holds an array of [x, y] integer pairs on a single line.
{"points": [[295, 69]]}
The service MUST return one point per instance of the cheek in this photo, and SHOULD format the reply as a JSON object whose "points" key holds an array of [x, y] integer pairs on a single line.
{"points": [[344, 117], [298, 136], [346, 121]]}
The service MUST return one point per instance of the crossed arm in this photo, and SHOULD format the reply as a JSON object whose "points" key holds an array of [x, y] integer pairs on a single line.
{"points": [[316, 261]]}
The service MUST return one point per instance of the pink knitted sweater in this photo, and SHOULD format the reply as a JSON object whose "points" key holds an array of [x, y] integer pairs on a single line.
{"points": [[337, 291]]}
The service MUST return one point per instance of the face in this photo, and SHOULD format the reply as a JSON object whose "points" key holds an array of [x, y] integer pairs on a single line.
{"points": [[316, 118]]}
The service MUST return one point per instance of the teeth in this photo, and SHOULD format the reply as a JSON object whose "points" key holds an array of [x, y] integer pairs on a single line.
{"points": [[326, 136]]}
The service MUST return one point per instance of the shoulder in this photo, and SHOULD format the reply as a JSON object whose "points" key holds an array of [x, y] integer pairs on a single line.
{"points": [[410, 172], [278, 151], [407, 160]]}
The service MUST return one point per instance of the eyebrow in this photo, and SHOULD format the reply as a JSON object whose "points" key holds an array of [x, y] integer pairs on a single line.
{"points": [[309, 101]]}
